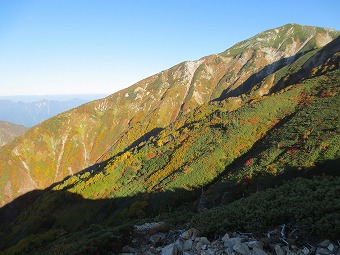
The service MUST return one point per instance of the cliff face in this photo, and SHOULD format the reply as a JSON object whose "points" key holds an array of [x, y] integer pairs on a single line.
{"points": [[92, 133]]}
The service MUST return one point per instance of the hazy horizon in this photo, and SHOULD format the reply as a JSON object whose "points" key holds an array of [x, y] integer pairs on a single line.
{"points": [[56, 97]]}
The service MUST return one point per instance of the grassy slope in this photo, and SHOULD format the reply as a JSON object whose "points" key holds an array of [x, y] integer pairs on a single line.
{"points": [[293, 129]]}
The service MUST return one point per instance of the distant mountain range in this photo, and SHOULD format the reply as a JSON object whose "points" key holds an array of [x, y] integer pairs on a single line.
{"points": [[32, 110], [9, 131], [188, 145]]}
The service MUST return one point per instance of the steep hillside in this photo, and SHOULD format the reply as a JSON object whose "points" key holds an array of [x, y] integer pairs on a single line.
{"points": [[8, 131], [213, 156], [95, 132]]}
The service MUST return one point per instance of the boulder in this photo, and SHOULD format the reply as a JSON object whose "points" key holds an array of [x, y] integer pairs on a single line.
{"points": [[157, 237], [231, 242], [253, 244], [128, 249], [257, 251], [225, 237], [278, 250], [170, 249], [324, 243], [204, 240], [332, 247], [305, 251], [190, 234], [230, 251], [323, 251], [187, 245], [241, 248]]}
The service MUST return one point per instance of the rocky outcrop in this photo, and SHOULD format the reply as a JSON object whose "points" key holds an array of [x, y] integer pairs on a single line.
{"points": [[189, 242]]}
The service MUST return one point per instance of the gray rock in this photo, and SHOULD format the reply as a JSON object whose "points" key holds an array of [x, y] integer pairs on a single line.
{"points": [[294, 247], [204, 240], [179, 243], [187, 253], [305, 251], [170, 249], [324, 243], [285, 248], [253, 244], [153, 250], [323, 251], [241, 248], [231, 242], [229, 251], [225, 237], [332, 247], [257, 251], [157, 237], [198, 247], [278, 250], [210, 252], [187, 245], [128, 249], [190, 234]]}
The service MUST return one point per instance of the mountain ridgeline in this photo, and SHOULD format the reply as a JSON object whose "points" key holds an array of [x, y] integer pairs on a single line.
{"points": [[8, 131], [94, 132], [183, 146]]}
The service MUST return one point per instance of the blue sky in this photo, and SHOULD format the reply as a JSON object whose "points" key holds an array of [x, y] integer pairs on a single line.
{"points": [[102, 46]]}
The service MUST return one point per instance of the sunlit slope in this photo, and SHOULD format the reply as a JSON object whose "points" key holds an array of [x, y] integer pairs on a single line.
{"points": [[8, 131], [94, 132], [217, 147]]}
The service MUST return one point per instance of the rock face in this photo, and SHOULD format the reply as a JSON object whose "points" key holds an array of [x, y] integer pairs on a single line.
{"points": [[92, 133], [189, 243]]}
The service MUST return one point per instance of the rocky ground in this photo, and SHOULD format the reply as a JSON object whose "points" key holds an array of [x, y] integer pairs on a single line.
{"points": [[154, 239]]}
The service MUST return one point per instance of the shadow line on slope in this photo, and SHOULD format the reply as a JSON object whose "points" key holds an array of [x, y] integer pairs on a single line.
{"points": [[257, 77], [107, 224]]}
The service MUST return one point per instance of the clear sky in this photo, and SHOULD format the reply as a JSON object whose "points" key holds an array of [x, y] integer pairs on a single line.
{"points": [[102, 46]]}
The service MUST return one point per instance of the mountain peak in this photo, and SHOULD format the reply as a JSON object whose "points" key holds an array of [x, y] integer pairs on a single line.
{"points": [[290, 39]]}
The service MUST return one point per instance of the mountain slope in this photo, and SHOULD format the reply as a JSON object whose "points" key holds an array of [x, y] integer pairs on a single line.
{"points": [[8, 131], [95, 132], [294, 132]]}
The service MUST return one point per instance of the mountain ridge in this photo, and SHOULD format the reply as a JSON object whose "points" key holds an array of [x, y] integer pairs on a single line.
{"points": [[98, 130], [206, 142], [8, 131]]}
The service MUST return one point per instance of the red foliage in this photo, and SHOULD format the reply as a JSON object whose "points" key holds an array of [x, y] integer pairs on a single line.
{"points": [[249, 162], [246, 178], [151, 155], [293, 149], [253, 120], [326, 94]]}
